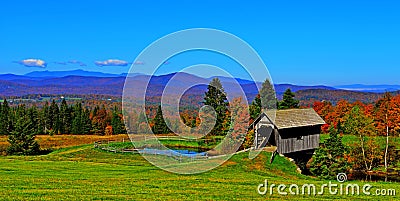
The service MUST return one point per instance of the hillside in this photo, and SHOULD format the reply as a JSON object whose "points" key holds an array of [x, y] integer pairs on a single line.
{"points": [[86, 173], [308, 97], [84, 82]]}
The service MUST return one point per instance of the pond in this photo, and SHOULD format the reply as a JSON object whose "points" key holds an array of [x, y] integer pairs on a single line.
{"points": [[173, 152]]}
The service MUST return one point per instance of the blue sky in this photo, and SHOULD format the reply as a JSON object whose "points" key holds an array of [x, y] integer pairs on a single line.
{"points": [[302, 42]]}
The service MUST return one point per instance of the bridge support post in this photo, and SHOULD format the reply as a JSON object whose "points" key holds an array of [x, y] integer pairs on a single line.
{"points": [[273, 156]]}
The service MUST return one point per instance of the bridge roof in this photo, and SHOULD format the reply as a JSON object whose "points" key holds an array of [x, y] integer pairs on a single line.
{"points": [[291, 118]]}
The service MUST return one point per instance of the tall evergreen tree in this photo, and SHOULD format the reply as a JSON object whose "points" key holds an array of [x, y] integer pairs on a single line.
{"points": [[288, 101], [5, 121], [22, 138], [117, 122], [2, 124], [65, 118], [46, 119], [33, 115], [255, 107], [81, 123], [216, 98], [55, 117], [268, 96], [160, 127], [86, 122], [329, 159], [77, 119]]}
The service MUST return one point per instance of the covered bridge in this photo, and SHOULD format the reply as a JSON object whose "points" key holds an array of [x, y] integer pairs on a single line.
{"points": [[292, 130]]}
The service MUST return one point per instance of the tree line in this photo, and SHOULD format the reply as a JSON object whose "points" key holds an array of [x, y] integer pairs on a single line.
{"points": [[23, 123], [63, 118]]}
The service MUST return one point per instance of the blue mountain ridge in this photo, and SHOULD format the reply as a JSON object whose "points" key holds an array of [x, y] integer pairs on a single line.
{"points": [[81, 81]]}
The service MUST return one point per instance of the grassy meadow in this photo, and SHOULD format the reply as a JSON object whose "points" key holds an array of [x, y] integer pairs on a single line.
{"points": [[63, 141], [81, 172]]}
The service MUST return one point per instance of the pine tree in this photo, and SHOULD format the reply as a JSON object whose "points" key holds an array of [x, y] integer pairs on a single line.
{"points": [[55, 117], [77, 119], [22, 138], [65, 118], [329, 159], [33, 115], [81, 123], [288, 101], [216, 98], [46, 119], [268, 96], [160, 127], [117, 122], [86, 122], [255, 107], [5, 122]]}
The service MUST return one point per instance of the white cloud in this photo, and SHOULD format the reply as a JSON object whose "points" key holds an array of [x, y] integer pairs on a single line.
{"points": [[111, 62], [139, 63], [80, 63], [33, 63], [60, 63]]}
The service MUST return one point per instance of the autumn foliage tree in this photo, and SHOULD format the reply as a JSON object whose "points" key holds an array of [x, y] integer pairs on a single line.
{"points": [[387, 115], [358, 124], [238, 128], [99, 120]]}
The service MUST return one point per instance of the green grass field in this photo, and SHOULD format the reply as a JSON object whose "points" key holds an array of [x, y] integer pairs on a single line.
{"points": [[86, 173]]}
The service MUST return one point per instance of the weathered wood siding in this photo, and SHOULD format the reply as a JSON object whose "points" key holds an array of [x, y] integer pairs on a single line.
{"points": [[259, 136], [297, 139]]}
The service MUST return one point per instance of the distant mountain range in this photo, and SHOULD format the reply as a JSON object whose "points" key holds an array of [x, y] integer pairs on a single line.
{"points": [[82, 82], [370, 88], [53, 74]]}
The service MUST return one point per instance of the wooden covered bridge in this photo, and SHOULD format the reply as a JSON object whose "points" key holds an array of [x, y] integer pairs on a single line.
{"points": [[291, 131]]}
